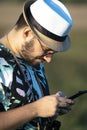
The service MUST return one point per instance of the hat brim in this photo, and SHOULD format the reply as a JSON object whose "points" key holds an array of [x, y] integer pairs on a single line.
{"points": [[53, 44]]}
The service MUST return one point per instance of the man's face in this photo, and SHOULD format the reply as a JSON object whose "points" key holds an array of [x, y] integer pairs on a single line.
{"points": [[35, 51]]}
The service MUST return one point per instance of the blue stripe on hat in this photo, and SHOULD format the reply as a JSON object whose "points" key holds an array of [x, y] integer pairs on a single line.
{"points": [[58, 10]]}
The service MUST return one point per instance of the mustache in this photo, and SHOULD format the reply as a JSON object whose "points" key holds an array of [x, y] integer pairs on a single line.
{"points": [[38, 58]]}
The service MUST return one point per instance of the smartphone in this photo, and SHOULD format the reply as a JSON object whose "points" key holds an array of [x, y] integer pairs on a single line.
{"points": [[79, 93]]}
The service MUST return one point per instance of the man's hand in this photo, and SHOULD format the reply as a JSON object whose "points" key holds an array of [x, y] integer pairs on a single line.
{"points": [[64, 105], [50, 106]]}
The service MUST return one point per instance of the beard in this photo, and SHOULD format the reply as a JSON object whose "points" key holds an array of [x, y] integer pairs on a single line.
{"points": [[26, 53]]}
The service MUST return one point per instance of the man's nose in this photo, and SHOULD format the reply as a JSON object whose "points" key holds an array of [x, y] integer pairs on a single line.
{"points": [[47, 58]]}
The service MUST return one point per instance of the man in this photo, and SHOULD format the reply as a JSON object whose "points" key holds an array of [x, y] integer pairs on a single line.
{"points": [[41, 30]]}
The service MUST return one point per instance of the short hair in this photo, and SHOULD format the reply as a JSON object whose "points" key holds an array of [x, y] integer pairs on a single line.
{"points": [[20, 22]]}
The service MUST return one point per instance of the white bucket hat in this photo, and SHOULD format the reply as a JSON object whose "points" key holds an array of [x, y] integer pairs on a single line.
{"points": [[50, 21]]}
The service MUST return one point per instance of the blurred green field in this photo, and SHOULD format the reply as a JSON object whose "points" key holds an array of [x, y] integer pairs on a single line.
{"points": [[68, 70]]}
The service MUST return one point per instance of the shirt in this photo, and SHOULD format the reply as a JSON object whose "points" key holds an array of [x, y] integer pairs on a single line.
{"points": [[14, 90]]}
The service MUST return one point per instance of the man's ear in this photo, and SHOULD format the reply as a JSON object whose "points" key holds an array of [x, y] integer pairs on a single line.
{"points": [[27, 33]]}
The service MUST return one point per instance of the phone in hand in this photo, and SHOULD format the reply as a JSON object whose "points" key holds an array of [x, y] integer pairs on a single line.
{"points": [[79, 93]]}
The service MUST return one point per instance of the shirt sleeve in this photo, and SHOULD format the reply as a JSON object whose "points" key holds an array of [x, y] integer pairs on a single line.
{"points": [[2, 97]]}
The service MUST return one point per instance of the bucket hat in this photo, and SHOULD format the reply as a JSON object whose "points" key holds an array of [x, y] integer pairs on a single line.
{"points": [[51, 21]]}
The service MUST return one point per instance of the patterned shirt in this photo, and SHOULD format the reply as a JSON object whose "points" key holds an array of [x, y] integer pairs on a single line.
{"points": [[14, 90]]}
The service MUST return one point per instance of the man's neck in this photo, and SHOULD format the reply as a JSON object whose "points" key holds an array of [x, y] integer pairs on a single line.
{"points": [[10, 42]]}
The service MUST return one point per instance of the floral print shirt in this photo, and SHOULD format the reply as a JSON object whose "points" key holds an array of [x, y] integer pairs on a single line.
{"points": [[14, 90]]}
